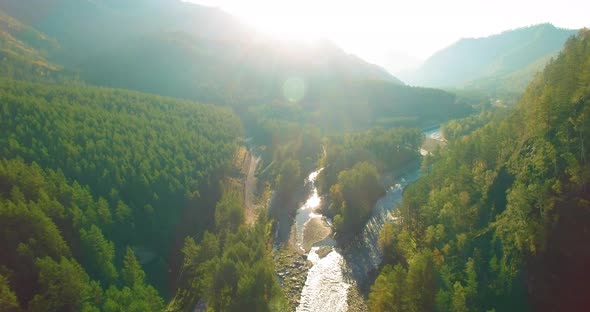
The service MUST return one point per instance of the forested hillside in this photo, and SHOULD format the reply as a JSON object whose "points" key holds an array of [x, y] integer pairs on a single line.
{"points": [[500, 219], [355, 105], [92, 175]]}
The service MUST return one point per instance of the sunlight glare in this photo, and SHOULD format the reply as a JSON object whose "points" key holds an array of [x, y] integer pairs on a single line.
{"points": [[302, 20]]}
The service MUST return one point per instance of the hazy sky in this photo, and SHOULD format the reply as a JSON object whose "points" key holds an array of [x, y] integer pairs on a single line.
{"points": [[399, 34]]}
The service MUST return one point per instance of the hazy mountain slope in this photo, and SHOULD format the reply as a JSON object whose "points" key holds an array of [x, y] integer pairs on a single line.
{"points": [[108, 38], [510, 84], [184, 65], [362, 104], [23, 50], [498, 56], [86, 28]]}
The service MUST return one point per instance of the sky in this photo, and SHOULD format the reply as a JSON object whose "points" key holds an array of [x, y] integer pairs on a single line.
{"points": [[399, 35]]}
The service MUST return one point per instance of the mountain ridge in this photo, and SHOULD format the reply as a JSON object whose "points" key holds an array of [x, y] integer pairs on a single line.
{"points": [[469, 60], [186, 50]]}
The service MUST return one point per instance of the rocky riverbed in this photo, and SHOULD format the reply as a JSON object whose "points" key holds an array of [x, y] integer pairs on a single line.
{"points": [[292, 266]]}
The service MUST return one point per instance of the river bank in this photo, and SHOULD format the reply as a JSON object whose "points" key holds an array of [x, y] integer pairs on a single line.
{"points": [[336, 276], [291, 259]]}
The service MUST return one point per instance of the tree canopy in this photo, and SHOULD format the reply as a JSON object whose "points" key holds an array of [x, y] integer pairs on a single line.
{"points": [[501, 215], [352, 166]]}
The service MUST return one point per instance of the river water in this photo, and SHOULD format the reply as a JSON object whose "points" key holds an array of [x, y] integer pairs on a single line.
{"points": [[330, 278], [307, 212], [325, 286]]}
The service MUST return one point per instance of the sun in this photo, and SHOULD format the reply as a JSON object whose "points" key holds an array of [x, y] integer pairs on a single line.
{"points": [[301, 20], [293, 20]]}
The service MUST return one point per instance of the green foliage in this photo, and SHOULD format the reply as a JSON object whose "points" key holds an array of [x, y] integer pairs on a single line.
{"points": [[420, 283], [401, 289], [388, 150], [388, 293], [104, 150], [288, 177], [354, 195], [64, 286], [131, 272], [99, 255], [137, 298], [459, 301], [351, 167], [455, 129], [338, 107], [199, 262], [135, 163], [236, 274], [502, 210], [8, 301], [135, 144], [229, 213], [287, 142], [42, 227]]}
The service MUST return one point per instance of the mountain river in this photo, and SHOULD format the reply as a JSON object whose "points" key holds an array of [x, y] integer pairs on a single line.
{"points": [[335, 270]]}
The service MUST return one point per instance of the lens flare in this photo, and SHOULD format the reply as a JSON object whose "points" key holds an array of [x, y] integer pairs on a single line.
{"points": [[294, 89]]}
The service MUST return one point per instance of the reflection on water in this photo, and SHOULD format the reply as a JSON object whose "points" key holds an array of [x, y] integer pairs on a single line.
{"points": [[325, 288], [306, 212]]}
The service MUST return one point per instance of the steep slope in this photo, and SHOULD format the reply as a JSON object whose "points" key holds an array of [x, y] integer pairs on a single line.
{"points": [[500, 221], [475, 60]]}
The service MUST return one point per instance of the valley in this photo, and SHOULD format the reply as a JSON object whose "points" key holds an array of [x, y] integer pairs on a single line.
{"points": [[164, 155]]}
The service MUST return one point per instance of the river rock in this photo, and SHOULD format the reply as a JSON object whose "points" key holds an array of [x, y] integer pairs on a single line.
{"points": [[323, 251]]}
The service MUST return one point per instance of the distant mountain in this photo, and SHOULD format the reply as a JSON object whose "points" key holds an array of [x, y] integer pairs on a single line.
{"points": [[493, 62]]}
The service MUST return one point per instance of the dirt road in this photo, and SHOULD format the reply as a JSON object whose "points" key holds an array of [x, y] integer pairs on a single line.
{"points": [[250, 189]]}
